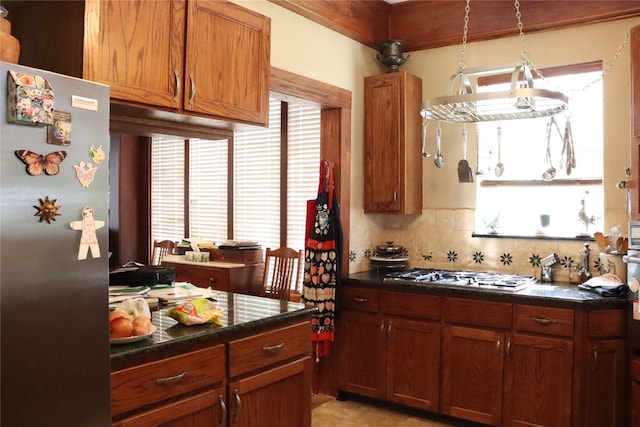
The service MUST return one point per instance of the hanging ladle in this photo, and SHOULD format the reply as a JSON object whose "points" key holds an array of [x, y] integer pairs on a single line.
{"points": [[425, 154], [499, 169], [550, 173], [439, 158]]}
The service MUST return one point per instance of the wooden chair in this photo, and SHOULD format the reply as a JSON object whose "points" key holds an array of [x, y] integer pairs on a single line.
{"points": [[160, 249], [281, 272]]}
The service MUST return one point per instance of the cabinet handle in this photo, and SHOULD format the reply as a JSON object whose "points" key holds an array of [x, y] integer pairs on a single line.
{"points": [[174, 379], [498, 345], [509, 348], [212, 279], [178, 86], [543, 321], [223, 407], [193, 88], [389, 328], [236, 417], [357, 299], [595, 357], [395, 197], [272, 348]]}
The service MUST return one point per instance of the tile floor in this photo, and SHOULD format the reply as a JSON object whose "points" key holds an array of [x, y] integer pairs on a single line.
{"points": [[328, 412]]}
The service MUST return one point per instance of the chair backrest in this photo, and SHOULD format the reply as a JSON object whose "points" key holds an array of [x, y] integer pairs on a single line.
{"points": [[160, 249], [281, 272]]}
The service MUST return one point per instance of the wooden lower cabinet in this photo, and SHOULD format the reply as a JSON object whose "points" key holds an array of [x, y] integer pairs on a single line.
{"points": [[271, 398], [538, 381], [473, 374], [202, 410], [261, 380], [390, 357], [494, 363]]}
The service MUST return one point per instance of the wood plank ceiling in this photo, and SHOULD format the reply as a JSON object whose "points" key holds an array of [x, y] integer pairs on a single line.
{"points": [[427, 24]]}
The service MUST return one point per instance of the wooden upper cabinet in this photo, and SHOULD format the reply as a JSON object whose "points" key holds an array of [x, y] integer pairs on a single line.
{"points": [[205, 57], [228, 61], [136, 47], [392, 135]]}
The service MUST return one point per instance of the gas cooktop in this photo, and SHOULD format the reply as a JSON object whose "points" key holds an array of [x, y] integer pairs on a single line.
{"points": [[499, 282]]}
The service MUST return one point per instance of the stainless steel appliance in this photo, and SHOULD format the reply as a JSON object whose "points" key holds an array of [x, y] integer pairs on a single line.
{"points": [[469, 279], [633, 281], [54, 331]]}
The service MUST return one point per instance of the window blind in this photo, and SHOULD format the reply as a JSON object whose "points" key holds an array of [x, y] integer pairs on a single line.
{"points": [[167, 188]]}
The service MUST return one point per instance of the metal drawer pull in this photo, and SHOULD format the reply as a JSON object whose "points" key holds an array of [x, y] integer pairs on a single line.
{"points": [[595, 357], [175, 379], [543, 321], [357, 299], [270, 348], [223, 407], [178, 87], [236, 417], [498, 345]]}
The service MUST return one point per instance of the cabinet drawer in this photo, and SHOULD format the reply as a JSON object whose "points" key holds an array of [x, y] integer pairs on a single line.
{"points": [[544, 320], [477, 313], [363, 299], [258, 351], [217, 278], [411, 305], [142, 385], [607, 323]]}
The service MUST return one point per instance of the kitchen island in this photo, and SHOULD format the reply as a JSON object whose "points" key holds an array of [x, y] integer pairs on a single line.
{"points": [[255, 366], [549, 354]]}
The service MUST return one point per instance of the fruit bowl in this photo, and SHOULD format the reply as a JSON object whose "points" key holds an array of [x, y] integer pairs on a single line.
{"points": [[134, 338]]}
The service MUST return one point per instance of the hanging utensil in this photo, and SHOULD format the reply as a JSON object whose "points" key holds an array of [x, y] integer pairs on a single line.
{"points": [[439, 158], [499, 169], [425, 154], [550, 173], [465, 174], [478, 170], [571, 153]]}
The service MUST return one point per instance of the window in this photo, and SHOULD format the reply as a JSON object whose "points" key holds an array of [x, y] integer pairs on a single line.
{"points": [[264, 201], [520, 202]]}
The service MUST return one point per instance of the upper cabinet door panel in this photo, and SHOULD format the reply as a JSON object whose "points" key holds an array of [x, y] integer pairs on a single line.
{"points": [[227, 61], [137, 48]]}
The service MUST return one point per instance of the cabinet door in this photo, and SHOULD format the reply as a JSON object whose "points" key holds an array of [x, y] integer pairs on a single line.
{"points": [[473, 373], [362, 354], [205, 410], [227, 61], [413, 363], [278, 397], [137, 48], [606, 384], [392, 161], [538, 381]]}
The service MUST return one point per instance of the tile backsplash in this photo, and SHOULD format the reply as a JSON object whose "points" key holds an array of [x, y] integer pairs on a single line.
{"points": [[442, 239]]}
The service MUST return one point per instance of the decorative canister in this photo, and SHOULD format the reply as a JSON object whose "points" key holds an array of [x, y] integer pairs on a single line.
{"points": [[9, 45], [391, 54], [613, 264]]}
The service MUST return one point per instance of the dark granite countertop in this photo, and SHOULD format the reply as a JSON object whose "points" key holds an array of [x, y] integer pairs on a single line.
{"points": [[241, 315], [547, 294]]}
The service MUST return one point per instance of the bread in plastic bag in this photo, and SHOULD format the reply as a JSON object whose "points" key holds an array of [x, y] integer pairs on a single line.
{"points": [[196, 312]]}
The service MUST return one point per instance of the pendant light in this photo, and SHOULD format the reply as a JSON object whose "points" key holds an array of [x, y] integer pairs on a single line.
{"points": [[521, 101]]}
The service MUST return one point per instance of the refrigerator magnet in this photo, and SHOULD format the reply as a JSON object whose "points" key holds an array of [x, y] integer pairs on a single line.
{"points": [[88, 239], [38, 163], [97, 154], [60, 132], [47, 210], [85, 172]]}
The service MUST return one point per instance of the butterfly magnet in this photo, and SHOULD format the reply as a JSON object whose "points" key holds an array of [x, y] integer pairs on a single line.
{"points": [[85, 172], [38, 163]]}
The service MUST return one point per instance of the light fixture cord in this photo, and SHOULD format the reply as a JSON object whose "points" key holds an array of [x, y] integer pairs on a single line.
{"points": [[527, 61], [465, 30]]}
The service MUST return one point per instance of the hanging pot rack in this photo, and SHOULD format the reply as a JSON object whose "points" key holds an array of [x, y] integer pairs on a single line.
{"points": [[521, 101]]}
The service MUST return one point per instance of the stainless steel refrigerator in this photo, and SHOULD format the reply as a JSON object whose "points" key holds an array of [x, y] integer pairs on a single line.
{"points": [[54, 337]]}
